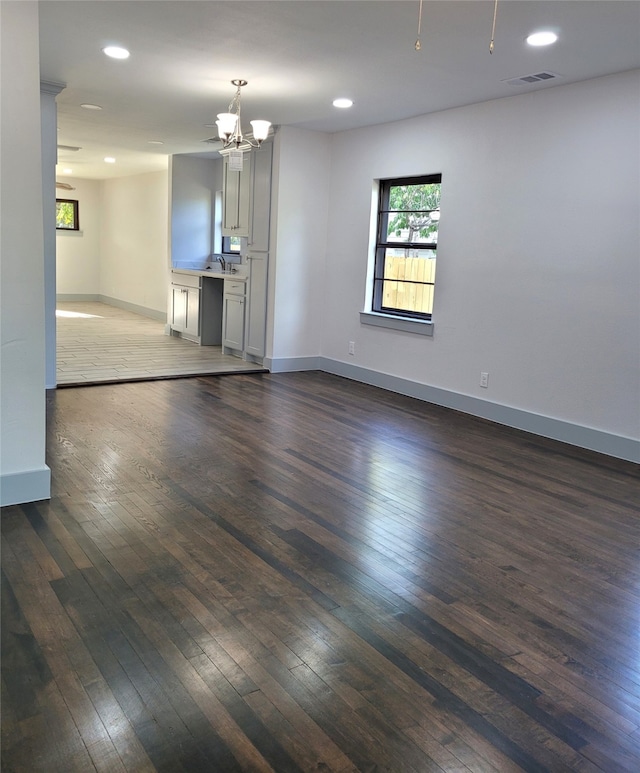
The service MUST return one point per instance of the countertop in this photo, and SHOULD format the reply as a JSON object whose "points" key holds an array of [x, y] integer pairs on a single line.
{"points": [[216, 274]]}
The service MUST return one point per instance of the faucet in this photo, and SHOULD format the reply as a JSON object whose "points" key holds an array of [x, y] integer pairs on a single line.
{"points": [[222, 262]]}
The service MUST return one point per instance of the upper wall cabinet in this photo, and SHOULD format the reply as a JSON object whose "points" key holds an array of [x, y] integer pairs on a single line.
{"points": [[260, 211], [236, 198]]}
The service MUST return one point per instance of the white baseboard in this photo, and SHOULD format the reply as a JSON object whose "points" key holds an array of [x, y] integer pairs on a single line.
{"points": [[161, 316], [545, 426], [293, 364], [78, 297], [27, 486]]}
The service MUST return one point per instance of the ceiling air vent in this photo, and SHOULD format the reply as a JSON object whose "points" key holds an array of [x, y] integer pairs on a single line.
{"points": [[71, 148], [527, 80]]}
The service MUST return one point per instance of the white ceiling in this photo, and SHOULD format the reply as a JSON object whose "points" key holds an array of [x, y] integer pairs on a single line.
{"points": [[298, 55]]}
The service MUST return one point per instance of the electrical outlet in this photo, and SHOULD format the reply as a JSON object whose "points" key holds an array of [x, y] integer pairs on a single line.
{"points": [[352, 347], [484, 380]]}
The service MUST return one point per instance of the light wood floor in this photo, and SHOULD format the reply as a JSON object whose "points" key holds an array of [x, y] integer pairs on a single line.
{"points": [[295, 573], [101, 344]]}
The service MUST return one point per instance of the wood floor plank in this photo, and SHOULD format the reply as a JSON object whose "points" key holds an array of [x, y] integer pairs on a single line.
{"points": [[50, 625]]}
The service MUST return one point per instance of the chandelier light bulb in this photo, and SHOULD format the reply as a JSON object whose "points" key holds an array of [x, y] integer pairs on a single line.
{"points": [[226, 123], [260, 129]]}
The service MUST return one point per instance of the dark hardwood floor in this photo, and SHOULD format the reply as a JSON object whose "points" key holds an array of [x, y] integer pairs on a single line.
{"points": [[297, 572]]}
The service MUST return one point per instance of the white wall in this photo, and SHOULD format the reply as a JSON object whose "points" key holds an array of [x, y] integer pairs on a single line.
{"points": [[193, 185], [78, 253], [24, 475], [538, 262], [134, 240], [301, 169]]}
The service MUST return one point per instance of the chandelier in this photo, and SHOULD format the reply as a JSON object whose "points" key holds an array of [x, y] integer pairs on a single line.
{"points": [[230, 126]]}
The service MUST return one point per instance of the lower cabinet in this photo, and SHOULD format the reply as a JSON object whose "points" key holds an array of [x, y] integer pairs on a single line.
{"points": [[256, 316], [233, 317], [216, 310], [177, 308], [185, 311], [195, 308]]}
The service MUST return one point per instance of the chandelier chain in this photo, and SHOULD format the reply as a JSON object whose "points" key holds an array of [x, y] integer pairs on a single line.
{"points": [[493, 28], [418, 45]]}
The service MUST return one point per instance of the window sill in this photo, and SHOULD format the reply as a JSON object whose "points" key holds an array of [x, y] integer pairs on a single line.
{"points": [[417, 326]]}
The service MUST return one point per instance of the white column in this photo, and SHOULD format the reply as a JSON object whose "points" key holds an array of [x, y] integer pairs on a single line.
{"points": [[24, 476], [49, 134]]}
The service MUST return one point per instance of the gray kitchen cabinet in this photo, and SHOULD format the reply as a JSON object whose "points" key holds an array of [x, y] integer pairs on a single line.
{"points": [[233, 317], [177, 308], [258, 254], [247, 213], [260, 198], [184, 308], [195, 308], [256, 313], [236, 197]]}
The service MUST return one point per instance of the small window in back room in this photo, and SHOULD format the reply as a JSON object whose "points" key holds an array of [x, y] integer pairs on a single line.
{"points": [[406, 246], [67, 215], [231, 245]]}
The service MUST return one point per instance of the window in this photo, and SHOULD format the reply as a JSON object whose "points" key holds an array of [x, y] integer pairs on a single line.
{"points": [[231, 245], [406, 245], [67, 215]]}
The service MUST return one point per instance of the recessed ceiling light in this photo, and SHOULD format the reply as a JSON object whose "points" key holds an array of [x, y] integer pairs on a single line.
{"points": [[542, 38], [67, 171], [109, 160], [87, 106], [116, 52], [155, 142], [342, 102]]}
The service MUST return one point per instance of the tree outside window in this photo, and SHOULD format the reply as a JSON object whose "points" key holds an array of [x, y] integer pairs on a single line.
{"points": [[67, 215]]}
